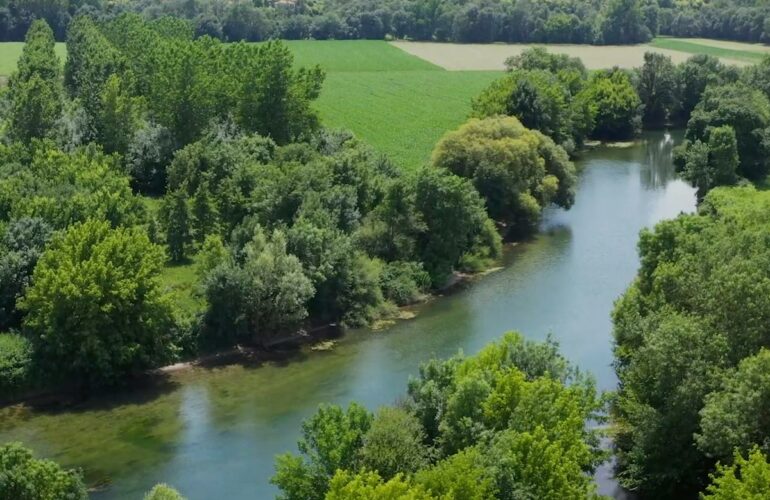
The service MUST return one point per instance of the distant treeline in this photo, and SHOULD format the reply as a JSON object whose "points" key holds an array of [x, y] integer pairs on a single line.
{"points": [[479, 21]]}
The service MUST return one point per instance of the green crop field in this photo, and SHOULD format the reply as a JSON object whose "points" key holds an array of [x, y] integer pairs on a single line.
{"points": [[693, 47], [356, 56], [397, 102], [401, 113]]}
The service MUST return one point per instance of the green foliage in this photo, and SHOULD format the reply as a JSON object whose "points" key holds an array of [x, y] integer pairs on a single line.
{"points": [[345, 486], [694, 75], [732, 416], [697, 308], [20, 247], [454, 215], [34, 90], [621, 21], [657, 87], [747, 111], [95, 311], [163, 492], [617, 105], [15, 365], [394, 444], [747, 479], [541, 90], [404, 282], [177, 219], [507, 422], [120, 116], [91, 62], [330, 442], [518, 171], [713, 163], [23, 477], [64, 188], [259, 293], [462, 476]]}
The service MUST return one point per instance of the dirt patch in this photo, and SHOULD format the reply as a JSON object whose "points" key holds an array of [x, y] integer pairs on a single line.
{"points": [[490, 57]]}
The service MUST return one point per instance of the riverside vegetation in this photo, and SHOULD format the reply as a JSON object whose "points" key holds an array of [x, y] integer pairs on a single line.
{"points": [[155, 148]]}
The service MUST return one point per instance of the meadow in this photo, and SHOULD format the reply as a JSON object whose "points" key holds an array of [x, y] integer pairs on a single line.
{"points": [[724, 50]]}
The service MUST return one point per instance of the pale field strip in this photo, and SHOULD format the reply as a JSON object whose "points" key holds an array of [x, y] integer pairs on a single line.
{"points": [[726, 44], [491, 57]]}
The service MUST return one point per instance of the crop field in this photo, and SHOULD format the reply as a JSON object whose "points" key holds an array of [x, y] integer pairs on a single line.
{"points": [[729, 51], [470, 57], [401, 97]]}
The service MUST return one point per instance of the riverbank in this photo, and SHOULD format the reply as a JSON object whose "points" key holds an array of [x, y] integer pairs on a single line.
{"points": [[214, 431]]}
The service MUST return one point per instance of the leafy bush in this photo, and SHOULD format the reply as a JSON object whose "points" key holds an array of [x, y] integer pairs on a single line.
{"points": [[15, 365]]}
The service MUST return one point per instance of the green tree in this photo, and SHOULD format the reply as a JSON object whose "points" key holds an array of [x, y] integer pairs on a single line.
{"points": [[454, 215], [747, 111], [23, 477], [747, 479], [732, 418], [345, 486], [622, 22], [331, 440], [34, 90], [205, 213], [91, 62], [120, 116], [462, 476], [694, 75], [177, 219], [20, 248], [258, 294], [657, 87], [518, 171], [617, 105], [163, 492], [394, 444], [95, 310]]}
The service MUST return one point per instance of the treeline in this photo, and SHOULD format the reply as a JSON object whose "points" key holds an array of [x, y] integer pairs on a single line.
{"points": [[572, 21], [692, 355], [514, 421], [153, 148], [726, 110]]}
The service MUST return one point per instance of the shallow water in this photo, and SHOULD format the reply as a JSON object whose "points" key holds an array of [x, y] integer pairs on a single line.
{"points": [[213, 433]]}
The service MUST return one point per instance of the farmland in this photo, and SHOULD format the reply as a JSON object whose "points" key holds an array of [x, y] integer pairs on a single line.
{"points": [[402, 96]]}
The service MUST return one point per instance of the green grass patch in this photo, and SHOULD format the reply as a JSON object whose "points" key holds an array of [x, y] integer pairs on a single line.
{"points": [[11, 51], [356, 56], [401, 113], [181, 281], [699, 48]]}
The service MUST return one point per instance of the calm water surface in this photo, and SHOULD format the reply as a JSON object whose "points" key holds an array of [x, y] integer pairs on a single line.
{"points": [[213, 433]]}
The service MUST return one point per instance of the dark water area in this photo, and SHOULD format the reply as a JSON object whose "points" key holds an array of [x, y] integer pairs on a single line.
{"points": [[213, 433]]}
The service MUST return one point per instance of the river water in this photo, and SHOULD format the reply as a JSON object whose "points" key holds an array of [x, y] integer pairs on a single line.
{"points": [[213, 433]]}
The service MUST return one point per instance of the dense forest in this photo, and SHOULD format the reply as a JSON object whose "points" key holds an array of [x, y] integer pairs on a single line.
{"points": [[152, 147], [479, 21]]}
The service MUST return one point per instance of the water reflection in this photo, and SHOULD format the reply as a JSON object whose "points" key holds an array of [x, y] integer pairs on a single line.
{"points": [[658, 168]]}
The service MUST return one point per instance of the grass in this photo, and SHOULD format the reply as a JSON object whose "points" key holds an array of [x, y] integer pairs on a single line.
{"points": [[692, 47], [11, 51], [395, 101], [181, 281], [354, 56], [401, 113]]}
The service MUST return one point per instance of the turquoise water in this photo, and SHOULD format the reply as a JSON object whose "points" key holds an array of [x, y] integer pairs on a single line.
{"points": [[213, 433]]}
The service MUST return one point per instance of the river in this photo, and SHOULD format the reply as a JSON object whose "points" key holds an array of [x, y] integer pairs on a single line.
{"points": [[213, 433]]}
